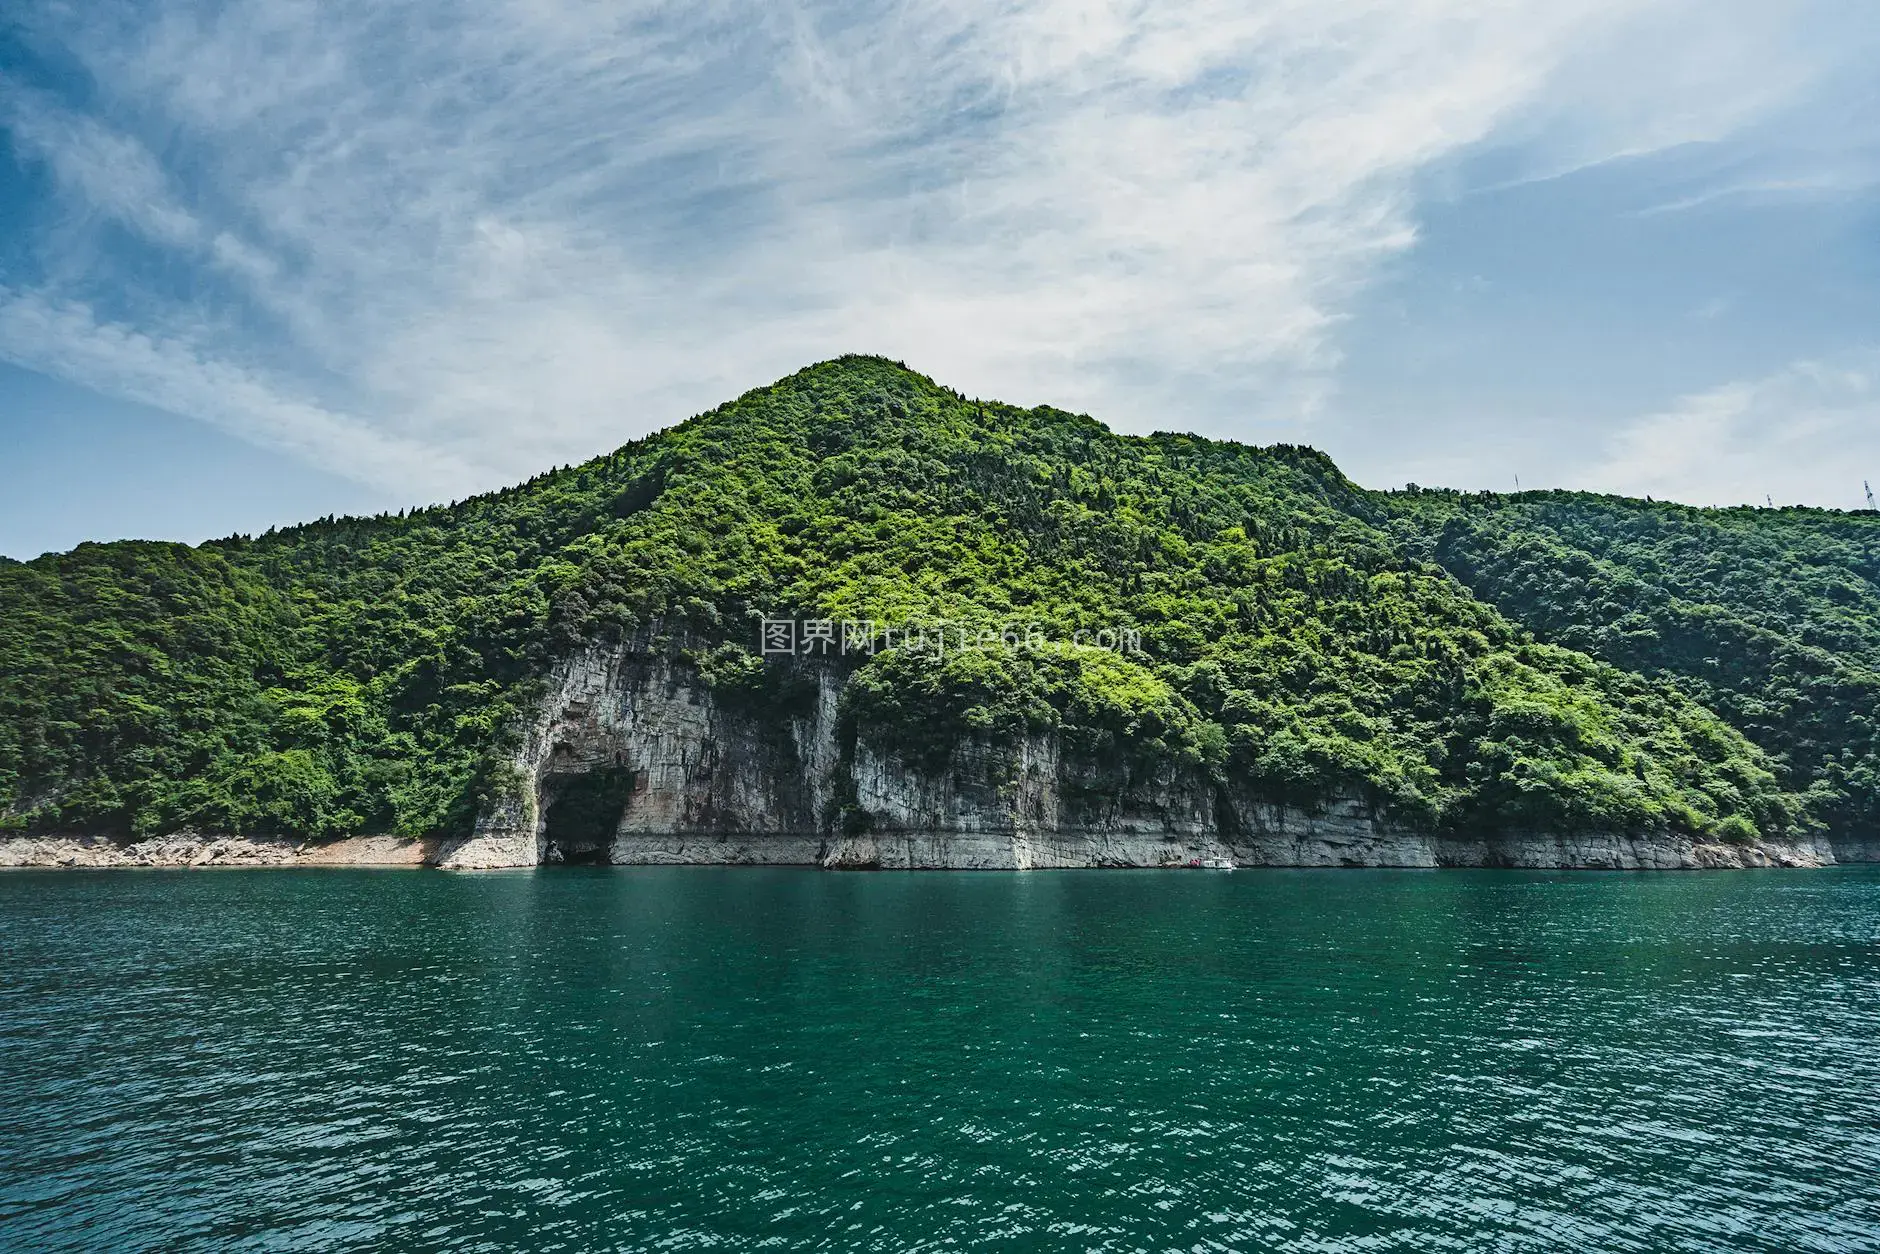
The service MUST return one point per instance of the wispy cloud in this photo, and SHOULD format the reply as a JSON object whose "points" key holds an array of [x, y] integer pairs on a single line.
{"points": [[176, 374], [449, 243], [100, 169], [1806, 435]]}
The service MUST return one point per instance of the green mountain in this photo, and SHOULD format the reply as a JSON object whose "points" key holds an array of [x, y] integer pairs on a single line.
{"points": [[1463, 663]]}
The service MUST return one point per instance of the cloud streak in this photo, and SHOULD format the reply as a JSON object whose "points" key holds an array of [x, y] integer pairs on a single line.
{"points": [[444, 244], [1804, 435], [174, 374]]}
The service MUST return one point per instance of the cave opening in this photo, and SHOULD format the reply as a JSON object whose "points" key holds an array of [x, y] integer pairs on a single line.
{"points": [[580, 822]]}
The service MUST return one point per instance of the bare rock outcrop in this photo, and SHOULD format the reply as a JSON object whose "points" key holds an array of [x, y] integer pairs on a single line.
{"points": [[705, 777]]}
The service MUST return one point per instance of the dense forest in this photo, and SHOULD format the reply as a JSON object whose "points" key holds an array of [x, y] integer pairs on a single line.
{"points": [[1770, 617], [1466, 662]]}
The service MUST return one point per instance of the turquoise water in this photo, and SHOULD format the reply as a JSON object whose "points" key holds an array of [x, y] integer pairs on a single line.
{"points": [[692, 1058]]}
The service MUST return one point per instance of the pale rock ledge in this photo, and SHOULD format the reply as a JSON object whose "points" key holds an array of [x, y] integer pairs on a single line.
{"points": [[706, 779]]}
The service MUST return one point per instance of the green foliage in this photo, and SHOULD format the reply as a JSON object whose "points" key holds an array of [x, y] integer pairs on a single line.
{"points": [[1769, 617], [922, 703], [1299, 636]]}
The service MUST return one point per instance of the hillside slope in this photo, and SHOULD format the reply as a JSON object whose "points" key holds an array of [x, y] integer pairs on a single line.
{"points": [[1770, 617], [1278, 634]]}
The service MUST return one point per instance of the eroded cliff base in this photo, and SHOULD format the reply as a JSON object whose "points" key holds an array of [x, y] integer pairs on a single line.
{"points": [[633, 758], [1313, 842]]}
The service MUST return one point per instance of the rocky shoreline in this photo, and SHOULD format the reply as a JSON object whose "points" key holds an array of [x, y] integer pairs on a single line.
{"points": [[699, 778], [944, 851], [209, 849], [715, 783]]}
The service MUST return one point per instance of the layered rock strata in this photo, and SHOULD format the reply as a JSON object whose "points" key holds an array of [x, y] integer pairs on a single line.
{"points": [[707, 778], [715, 782]]}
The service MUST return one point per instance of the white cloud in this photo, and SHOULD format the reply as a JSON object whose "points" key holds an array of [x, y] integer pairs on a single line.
{"points": [[180, 376], [103, 170], [501, 235], [1808, 434]]}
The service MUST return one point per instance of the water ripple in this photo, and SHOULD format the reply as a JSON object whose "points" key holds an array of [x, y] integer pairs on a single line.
{"points": [[694, 1059]]}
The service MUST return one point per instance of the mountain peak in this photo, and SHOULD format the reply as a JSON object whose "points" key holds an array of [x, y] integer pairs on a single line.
{"points": [[1460, 665]]}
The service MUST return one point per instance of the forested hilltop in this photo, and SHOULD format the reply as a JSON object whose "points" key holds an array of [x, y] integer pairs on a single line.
{"points": [[1465, 662]]}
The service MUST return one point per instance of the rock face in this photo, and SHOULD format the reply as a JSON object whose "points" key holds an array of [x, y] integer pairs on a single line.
{"points": [[710, 780], [696, 776], [1856, 848]]}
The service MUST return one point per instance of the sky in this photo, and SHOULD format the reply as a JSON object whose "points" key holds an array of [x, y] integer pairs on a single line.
{"points": [[265, 261]]}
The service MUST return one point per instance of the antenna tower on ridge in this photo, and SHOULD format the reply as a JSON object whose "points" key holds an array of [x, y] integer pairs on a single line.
{"points": [[1869, 489]]}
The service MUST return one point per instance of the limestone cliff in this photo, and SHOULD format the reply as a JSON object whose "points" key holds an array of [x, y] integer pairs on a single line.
{"points": [[705, 778], [714, 782]]}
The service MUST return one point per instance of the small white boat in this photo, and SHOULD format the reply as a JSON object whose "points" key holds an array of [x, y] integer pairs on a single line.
{"points": [[1211, 864]]}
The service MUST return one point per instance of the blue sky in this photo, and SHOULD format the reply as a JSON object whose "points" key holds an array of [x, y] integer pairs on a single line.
{"points": [[269, 261]]}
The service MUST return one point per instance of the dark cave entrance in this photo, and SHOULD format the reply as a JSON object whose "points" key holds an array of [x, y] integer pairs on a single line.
{"points": [[580, 823]]}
